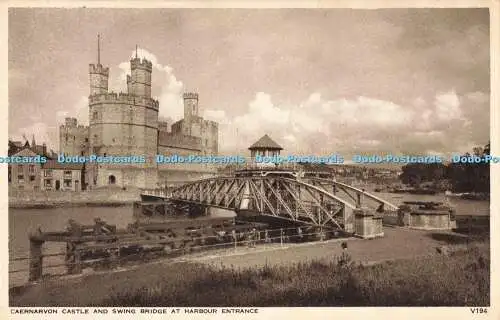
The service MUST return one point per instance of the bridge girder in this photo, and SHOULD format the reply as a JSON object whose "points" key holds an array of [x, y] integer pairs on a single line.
{"points": [[359, 197], [284, 198]]}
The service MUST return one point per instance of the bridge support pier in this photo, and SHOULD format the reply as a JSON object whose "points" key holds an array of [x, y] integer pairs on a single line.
{"points": [[367, 225], [429, 216]]}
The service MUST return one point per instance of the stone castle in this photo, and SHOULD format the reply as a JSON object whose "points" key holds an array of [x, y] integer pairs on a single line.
{"points": [[127, 124]]}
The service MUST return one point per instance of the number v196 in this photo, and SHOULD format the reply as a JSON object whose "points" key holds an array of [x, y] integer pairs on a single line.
{"points": [[478, 310]]}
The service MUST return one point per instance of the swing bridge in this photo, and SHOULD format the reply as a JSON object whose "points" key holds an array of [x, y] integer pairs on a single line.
{"points": [[313, 201]]}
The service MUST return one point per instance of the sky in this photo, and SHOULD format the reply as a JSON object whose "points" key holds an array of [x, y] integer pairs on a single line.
{"points": [[318, 81]]}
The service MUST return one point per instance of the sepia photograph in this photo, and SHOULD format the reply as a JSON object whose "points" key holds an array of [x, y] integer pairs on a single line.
{"points": [[192, 159]]}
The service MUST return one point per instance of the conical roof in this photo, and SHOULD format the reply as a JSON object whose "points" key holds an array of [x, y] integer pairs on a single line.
{"points": [[266, 143]]}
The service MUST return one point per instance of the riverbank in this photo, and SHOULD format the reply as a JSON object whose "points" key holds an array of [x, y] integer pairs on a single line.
{"points": [[103, 197], [405, 268]]}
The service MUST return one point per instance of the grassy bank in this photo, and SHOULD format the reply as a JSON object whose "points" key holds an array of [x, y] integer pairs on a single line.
{"points": [[458, 279]]}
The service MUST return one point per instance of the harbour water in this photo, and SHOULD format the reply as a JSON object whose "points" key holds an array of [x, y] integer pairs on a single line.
{"points": [[23, 221]]}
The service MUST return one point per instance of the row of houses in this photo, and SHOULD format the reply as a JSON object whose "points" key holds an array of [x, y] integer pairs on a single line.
{"points": [[47, 176]]}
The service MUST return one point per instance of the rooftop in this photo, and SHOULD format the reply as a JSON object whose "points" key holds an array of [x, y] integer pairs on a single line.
{"points": [[265, 143], [54, 164]]}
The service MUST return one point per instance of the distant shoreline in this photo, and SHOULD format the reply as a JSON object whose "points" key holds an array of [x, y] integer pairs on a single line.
{"points": [[68, 204]]}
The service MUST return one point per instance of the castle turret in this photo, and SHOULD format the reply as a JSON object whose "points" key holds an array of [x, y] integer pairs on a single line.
{"points": [[139, 82], [98, 74], [190, 105]]}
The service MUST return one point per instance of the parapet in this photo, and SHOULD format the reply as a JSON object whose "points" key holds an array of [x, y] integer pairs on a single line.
{"points": [[172, 140], [163, 125], [211, 124], [70, 122], [137, 63], [99, 69], [190, 95], [123, 98]]}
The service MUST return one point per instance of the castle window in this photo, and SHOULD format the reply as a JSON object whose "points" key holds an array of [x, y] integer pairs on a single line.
{"points": [[74, 138], [20, 178], [113, 139], [31, 168], [32, 178], [86, 139], [95, 115]]}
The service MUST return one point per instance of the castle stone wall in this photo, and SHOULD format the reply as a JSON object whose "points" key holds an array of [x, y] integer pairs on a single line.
{"points": [[73, 138]]}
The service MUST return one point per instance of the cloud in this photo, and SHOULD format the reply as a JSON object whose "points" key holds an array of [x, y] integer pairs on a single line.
{"points": [[446, 122], [42, 133], [448, 106], [362, 124], [49, 134], [80, 111]]}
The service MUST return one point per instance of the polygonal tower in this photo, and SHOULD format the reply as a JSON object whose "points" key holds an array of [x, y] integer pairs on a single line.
{"points": [[139, 80], [190, 105], [98, 74], [126, 124]]}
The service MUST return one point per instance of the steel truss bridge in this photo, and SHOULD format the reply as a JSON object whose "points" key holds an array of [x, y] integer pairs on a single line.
{"points": [[311, 201]]}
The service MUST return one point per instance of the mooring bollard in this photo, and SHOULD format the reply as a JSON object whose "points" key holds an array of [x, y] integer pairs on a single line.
{"points": [[36, 260]]}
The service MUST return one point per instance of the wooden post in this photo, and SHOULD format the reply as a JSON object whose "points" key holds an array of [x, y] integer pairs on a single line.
{"points": [[115, 257], [281, 236], [469, 227], [36, 260], [235, 239], [78, 261]]}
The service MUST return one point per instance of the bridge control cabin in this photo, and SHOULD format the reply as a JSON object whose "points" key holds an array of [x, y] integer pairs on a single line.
{"points": [[266, 148]]}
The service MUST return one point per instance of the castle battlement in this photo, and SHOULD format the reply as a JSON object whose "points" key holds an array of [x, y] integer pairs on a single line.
{"points": [[180, 141], [125, 98], [70, 122], [137, 63], [211, 123], [190, 95], [99, 69]]}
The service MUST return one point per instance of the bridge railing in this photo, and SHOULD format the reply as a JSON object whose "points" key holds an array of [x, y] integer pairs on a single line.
{"points": [[158, 192]]}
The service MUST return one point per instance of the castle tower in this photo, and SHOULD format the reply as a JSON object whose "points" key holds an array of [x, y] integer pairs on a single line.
{"points": [[139, 81], [98, 74], [126, 124], [73, 138], [190, 105]]}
